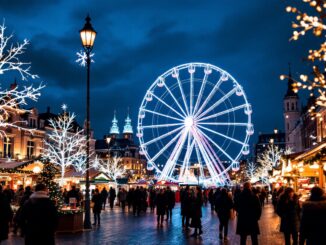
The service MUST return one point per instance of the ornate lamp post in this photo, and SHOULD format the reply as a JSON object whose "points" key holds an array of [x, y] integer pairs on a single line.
{"points": [[87, 35]]}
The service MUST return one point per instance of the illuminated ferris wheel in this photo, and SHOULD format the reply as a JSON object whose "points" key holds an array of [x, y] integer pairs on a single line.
{"points": [[194, 117]]}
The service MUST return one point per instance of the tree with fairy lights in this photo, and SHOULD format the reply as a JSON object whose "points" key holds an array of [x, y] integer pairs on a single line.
{"points": [[251, 171], [65, 145], [312, 21], [47, 177], [112, 167], [11, 100]]}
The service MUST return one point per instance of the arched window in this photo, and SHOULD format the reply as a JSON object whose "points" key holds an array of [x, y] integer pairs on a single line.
{"points": [[292, 107]]}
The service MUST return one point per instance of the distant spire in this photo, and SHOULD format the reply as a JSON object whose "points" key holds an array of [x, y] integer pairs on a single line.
{"points": [[290, 92], [114, 128], [127, 129]]}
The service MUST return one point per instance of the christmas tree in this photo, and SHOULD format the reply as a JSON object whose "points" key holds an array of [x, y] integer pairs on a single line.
{"points": [[47, 176]]}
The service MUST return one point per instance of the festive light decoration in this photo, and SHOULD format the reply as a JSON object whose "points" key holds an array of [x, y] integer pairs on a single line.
{"points": [[315, 23], [251, 171], [271, 157], [12, 99], [47, 177], [82, 58], [64, 145], [112, 167], [189, 116]]}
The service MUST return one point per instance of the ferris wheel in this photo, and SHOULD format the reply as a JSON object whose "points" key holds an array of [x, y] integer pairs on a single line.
{"points": [[194, 124]]}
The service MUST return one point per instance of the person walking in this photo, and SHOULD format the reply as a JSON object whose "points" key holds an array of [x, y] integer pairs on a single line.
{"points": [[223, 207], [112, 196], [185, 198], [152, 196], [104, 197], [39, 218], [161, 205], [97, 200], [211, 199], [170, 198], [123, 198], [5, 216], [249, 212], [196, 212], [313, 219], [288, 209]]}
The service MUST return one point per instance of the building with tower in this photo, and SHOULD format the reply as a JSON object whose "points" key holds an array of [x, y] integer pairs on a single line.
{"points": [[292, 114], [122, 145]]}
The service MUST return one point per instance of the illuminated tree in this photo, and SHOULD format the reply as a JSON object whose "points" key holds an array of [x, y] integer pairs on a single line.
{"points": [[251, 171], [312, 21], [112, 167], [271, 157], [12, 99], [65, 145]]}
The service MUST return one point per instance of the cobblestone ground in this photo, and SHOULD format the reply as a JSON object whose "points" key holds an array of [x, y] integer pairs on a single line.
{"points": [[123, 228]]}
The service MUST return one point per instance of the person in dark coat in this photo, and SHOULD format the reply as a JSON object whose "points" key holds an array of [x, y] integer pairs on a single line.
{"points": [[152, 196], [39, 217], [97, 200], [170, 198], [130, 198], [104, 196], [112, 196], [313, 219], [5, 216], [161, 204], [288, 209], [211, 198], [9, 193], [196, 213], [249, 212], [223, 207], [17, 219], [185, 198]]}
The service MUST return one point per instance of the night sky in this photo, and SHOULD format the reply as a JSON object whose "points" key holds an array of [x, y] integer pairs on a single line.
{"points": [[139, 40]]}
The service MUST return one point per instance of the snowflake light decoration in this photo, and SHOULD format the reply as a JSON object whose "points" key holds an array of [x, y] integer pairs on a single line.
{"points": [[82, 58]]}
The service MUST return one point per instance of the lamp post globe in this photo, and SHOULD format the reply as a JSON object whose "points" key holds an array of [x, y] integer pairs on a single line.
{"points": [[87, 35]]}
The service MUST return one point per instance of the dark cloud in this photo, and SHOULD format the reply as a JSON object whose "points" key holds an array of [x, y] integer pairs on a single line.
{"points": [[138, 41]]}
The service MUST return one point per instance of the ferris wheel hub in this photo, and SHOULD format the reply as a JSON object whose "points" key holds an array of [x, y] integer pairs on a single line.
{"points": [[189, 121]]}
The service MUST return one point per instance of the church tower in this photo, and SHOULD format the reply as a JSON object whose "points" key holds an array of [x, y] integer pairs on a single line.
{"points": [[114, 131], [291, 112], [127, 129]]}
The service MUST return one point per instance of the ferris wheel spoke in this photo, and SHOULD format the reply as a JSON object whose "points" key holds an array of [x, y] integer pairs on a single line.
{"points": [[175, 100], [162, 115], [216, 145], [191, 92], [185, 164], [222, 135], [223, 112], [201, 91], [166, 146], [202, 174], [183, 95], [171, 162], [224, 124], [162, 136], [221, 100], [207, 155], [209, 97], [170, 107], [162, 125]]}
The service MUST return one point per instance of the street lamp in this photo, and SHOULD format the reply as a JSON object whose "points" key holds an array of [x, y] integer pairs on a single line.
{"points": [[87, 35]]}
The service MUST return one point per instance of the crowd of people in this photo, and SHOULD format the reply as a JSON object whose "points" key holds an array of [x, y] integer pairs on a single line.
{"points": [[301, 223]]}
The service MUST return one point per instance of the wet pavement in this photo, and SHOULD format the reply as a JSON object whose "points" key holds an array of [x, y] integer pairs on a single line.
{"points": [[122, 228]]}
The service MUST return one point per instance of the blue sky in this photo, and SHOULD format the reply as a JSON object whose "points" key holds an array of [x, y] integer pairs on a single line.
{"points": [[139, 40]]}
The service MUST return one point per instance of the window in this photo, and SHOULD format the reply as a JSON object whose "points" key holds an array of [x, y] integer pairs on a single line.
{"points": [[292, 107], [8, 144], [30, 149], [288, 126], [288, 106]]}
